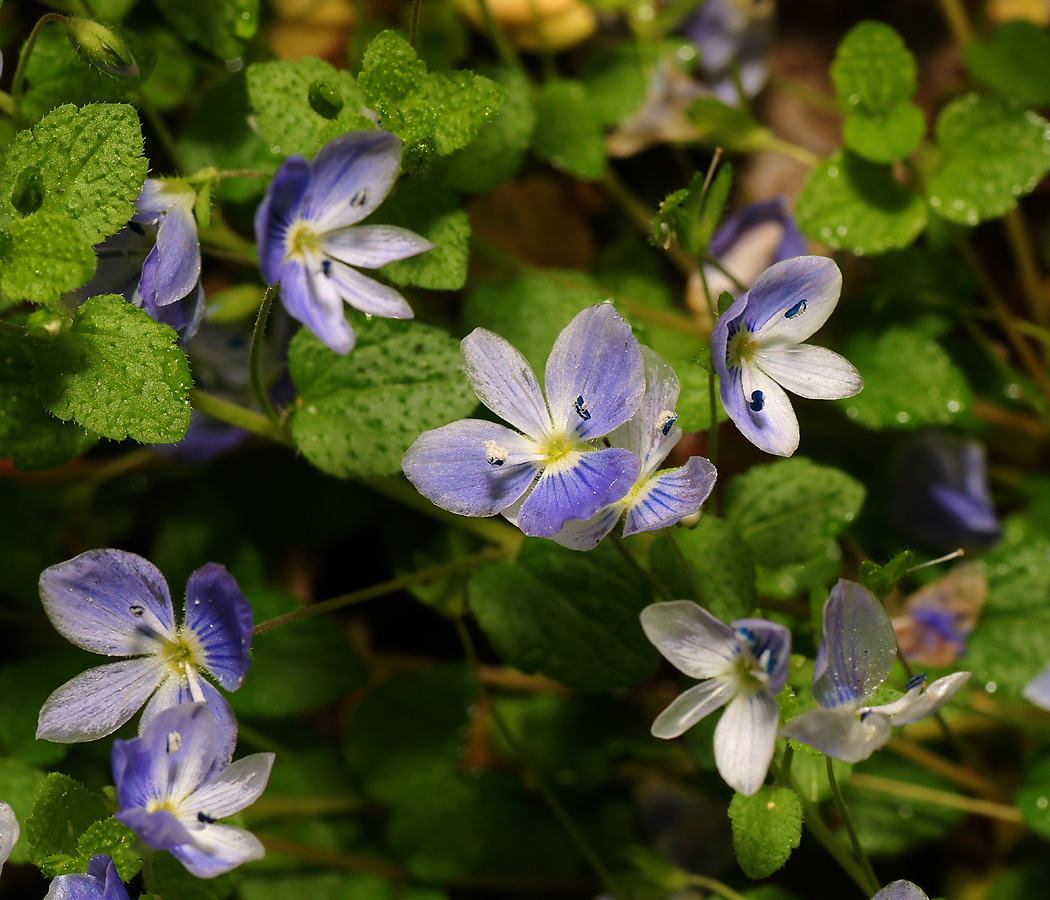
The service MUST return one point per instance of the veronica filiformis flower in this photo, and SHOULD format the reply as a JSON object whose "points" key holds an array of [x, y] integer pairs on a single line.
{"points": [[9, 830], [594, 380], [306, 242], [743, 664], [173, 784], [857, 652], [659, 497], [100, 882], [118, 604], [757, 350], [901, 890]]}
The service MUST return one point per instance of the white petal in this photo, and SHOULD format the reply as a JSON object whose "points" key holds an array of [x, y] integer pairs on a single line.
{"points": [[372, 246], [745, 739], [217, 849], [690, 638], [9, 832], [644, 433], [911, 707], [237, 787], [809, 371], [692, 705], [839, 733], [901, 890], [771, 426]]}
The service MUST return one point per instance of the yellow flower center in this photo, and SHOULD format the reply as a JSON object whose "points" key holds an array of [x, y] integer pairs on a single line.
{"points": [[300, 240], [742, 347]]}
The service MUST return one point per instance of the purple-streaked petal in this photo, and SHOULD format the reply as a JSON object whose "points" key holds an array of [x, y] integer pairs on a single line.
{"points": [[769, 645], [177, 690], [450, 466], [237, 787], [504, 381], [351, 176], [184, 316], [586, 534], [901, 890], [100, 883], [153, 202], [372, 246], [809, 371], [690, 638], [97, 702], [596, 358], [187, 734], [651, 432], [839, 733], [221, 619], [109, 602], [692, 705], [720, 337], [364, 293], [9, 832], [216, 849], [745, 739], [776, 313], [576, 487], [669, 496], [857, 650], [315, 301], [173, 266], [912, 707], [1037, 690], [159, 829], [278, 210], [760, 409]]}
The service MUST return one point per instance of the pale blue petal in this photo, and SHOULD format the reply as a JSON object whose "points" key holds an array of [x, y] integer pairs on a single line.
{"points": [[237, 787], [774, 314], [669, 496], [586, 534], [159, 829], [173, 266], [857, 650], [760, 409], [729, 321], [177, 690], [216, 849], [651, 432], [839, 733], [316, 302], [745, 739], [911, 707], [576, 487], [809, 371], [690, 638], [372, 246], [1037, 690], [278, 210], [450, 466], [901, 890], [9, 832], [692, 705], [595, 377], [108, 601], [192, 754], [100, 883], [221, 618], [364, 293]]}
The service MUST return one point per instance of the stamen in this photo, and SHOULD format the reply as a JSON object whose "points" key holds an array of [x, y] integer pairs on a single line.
{"points": [[359, 199], [796, 310], [747, 635], [174, 742], [137, 611], [581, 408], [757, 401], [765, 660], [495, 455], [206, 819], [666, 421], [915, 681]]}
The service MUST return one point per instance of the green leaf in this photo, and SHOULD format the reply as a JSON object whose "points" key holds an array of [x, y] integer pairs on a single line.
{"points": [[117, 372], [87, 163], [994, 153], [571, 616], [909, 381], [1014, 63], [615, 81], [730, 127], [42, 256], [885, 137], [873, 71], [332, 886], [63, 812], [19, 785], [29, 434], [106, 836], [433, 212], [220, 26], [173, 76], [358, 414], [1034, 804], [852, 204], [720, 562], [881, 580], [786, 511], [568, 131], [767, 826], [499, 150], [279, 93], [809, 775]]}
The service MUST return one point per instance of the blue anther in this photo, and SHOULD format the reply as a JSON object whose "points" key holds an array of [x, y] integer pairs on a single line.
{"points": [[915, 681], [747, 634], [359, 199], [796, 310], [326, 267], [205, 818], [581, 408], [669, 424], [757, 401]]}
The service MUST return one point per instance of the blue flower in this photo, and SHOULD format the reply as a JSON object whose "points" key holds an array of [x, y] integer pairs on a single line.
{"points": [[940, 493], [173, 784], [743, 664], [658, 498], [857, 652], [937, 619], [594, 380], [118, 604], [901, 890], [728, 32], [757, 351], [101, 882], [306, 242], [9, 830]]}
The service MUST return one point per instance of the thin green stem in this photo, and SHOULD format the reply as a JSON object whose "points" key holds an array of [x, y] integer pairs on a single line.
{"points": [[10, 328], [158, 124], [642, 216], [784, 772], [223, 174], [649, 577], [909, 791], [242, 417], [262, 396], [379, 590], [1020, 242], [506, 52], [689, 573], [815, 825], [958, 20], [19, 79], [801, 154], [873, 885], [715, 263], [712, 430], [7, 104], [709, 884], [550, 68], [413, 27]]}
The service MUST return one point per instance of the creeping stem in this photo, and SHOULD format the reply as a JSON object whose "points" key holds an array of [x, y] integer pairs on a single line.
{"points": [[262, 396], [872, 886], [18, 82]]}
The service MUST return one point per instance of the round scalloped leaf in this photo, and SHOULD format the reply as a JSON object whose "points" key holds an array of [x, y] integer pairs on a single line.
{"points": [[885, 137], [873, 71]]}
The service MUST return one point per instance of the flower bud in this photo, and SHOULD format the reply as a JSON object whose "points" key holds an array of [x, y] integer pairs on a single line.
{"points": [[44, 325], [101, 47]]}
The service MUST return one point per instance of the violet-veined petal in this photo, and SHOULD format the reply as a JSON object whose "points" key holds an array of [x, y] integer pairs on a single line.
{"points": [[810, 371], [364, 293], [97, 702], [177, 690], [857, 650], [9, 832], [314, 300], [901, 890], [275, 215], [177, 254], [350, 176], [1037, 690], [586, 534], [760, 409], [720, 336], [690, 638], [108, 601], [215, 849], [184, 316], [504, 381], [237, 787], [669, 496], [745, 739], [594, 377], [160, 828], [692, 705], [372, 246], [792, 299], [769, 645], [651, 432], [471, 467], [221, 619], [576, 487], [927, 702], [101, 882], [839, 733]]}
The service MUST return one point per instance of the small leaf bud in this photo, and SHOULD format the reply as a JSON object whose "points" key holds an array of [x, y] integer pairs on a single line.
{"points": [[44, 325], [101, 47]]}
